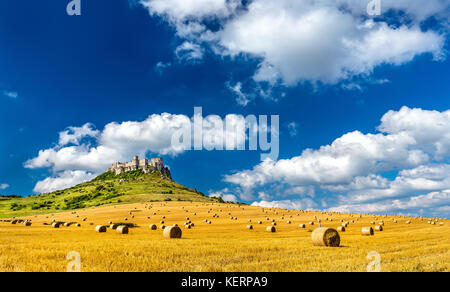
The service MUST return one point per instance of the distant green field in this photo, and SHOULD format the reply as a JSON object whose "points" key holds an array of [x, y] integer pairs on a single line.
{"points": [[106, 189]]}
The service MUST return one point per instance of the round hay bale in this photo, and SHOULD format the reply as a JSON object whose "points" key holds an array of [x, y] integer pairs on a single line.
{"points": [[172, 232], [122, 229], [344, 224], [408, 222], [14, 222], [311, 223], [302, 225], [341, 229], [372, 222], [188, 226], [153, 227], [67, 224], [259, 222], [162, 227], [249, 227], [378, 228], [55, 225], [274, 223], [78, 225], [270, 229], [27, 223], [113, 226], [324, 236], [367, 231], [288, 222], [100, 228]]}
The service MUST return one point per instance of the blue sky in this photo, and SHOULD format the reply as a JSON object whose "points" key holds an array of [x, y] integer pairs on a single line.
{"points": [[326, 70]]}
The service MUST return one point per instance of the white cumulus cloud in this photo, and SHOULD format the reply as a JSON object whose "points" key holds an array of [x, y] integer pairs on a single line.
{"points": [[62, 180], [304, 204], [324, 41], [413, 144], [437, 202], [357, 154], [84, 150], [225, 195]]}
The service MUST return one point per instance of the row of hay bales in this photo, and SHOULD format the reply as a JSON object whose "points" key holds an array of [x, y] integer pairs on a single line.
{"points": [[120, 229], [168, 232], [21, 221], [324, 236], [65, 224]]}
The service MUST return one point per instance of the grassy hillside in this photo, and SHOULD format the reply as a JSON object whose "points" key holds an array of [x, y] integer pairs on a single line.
{"points": [[106, 189]]}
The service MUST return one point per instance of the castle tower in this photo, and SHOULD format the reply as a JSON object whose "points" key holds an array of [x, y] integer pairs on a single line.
{"points": [[157, 163], [135, 163]]}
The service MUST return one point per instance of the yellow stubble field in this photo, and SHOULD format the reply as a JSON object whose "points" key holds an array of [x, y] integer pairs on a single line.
{"points": [[225, 245]]}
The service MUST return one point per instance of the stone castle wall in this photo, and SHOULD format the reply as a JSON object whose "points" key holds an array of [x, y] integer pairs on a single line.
{"points": [[140, 164]]}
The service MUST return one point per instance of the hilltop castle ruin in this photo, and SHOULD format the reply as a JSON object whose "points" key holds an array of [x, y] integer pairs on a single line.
{"points": [[140, 164]]}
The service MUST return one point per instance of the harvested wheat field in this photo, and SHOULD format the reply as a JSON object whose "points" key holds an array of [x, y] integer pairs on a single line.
{"points": [[220, 243]]}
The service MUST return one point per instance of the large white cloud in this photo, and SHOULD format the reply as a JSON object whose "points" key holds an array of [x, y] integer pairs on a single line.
{"points": [[224, 194], [89, 151], [422, 179], [434, 203], [357, 154], [324, 41], [4, 186], [62, 180], [179, 10], [413, 143], [429, 128], [304, 204]]}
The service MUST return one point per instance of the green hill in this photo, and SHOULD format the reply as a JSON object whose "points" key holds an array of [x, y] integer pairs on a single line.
{"points": [[106, 189]]}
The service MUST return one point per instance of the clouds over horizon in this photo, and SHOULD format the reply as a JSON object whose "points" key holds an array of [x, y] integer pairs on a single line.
{"points": [[351, 171], [84, 152], [395, 169], [325, 42]]}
